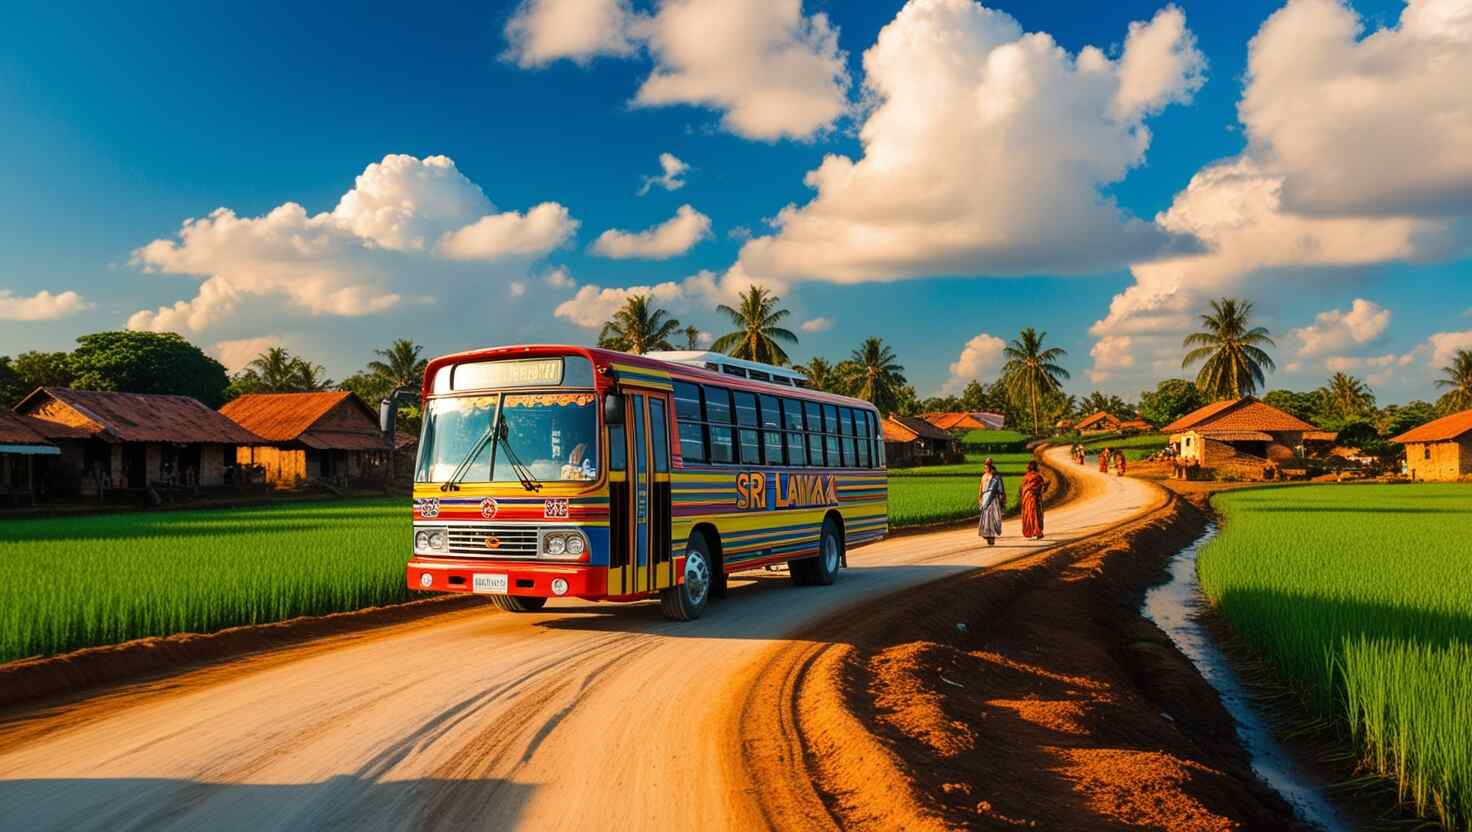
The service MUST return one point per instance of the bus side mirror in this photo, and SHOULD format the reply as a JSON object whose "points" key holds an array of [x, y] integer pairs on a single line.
{"points": [[613, 409], [385, 415]]}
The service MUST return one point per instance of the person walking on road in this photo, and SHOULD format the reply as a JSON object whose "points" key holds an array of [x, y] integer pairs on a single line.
{"points": [[1104, 456], [991, 498], [1119, 463], [1031, 499]]}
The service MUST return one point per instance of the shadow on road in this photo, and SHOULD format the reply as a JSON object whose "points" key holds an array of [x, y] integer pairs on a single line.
{"points": [[339, 803]]}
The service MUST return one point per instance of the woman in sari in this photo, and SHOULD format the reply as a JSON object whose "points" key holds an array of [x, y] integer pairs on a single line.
{"points": [[1104, 456], [1031, 496], [991, 498], [1119, 463]]}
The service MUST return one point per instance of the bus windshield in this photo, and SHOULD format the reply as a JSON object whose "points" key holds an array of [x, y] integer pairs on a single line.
{"points": [[553, 434]]}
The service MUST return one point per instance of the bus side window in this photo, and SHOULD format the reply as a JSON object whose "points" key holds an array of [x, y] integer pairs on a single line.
{"points": [[815, 432], [616, 449], [746, 432], [846, 430], [687, 412], [793, 432], [771, 418], [718, 413], [876, 439], [658, 427], [861, 423], [830, 435]]}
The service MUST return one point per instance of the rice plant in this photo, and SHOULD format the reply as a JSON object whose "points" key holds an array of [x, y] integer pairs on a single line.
{"points": [[938, 493], [1361, 595]]}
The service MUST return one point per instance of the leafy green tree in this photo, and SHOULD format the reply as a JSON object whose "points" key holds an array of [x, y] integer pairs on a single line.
{"points": [[692, 337], [400, 365], [29, 370], [1456, 379], [1171, 399], [278, 371], [874, 374], [1230, 351], [821, 374], [638, 327], [1345, 399], [1393, 420], [147, 362], [12, 387], [1113, 405], [1032, 371], [974, 397], [757, 333], [1058, 406], [1304, 406]]}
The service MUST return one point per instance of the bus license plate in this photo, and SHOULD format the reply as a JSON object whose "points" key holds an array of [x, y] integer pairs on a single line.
{"points": [[493, 584]]}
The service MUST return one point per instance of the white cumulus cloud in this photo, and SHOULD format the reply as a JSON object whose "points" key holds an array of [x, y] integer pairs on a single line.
{"points": [[1336, 330], [42, 306], [542, 31], [979, 359], [672, 177], [1444, 346], [236, 353], [592, 305], [819, 324], [984, 153], [402, 214], [670, 238]]}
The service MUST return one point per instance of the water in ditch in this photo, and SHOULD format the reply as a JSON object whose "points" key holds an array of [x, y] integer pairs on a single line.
{"points": [[1176, 607]]}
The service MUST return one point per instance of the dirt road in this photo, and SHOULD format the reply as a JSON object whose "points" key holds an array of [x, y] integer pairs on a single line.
{"points": [[581, 717]]}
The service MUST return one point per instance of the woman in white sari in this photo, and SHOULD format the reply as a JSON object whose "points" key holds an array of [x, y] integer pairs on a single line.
{"points": [[992, 499]]}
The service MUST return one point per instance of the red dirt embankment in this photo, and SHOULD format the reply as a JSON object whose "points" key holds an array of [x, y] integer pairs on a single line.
{"points": [[1032, 694]]}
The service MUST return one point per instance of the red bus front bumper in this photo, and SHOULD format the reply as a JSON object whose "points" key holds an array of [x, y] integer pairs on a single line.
{"points": [[532, 579]]}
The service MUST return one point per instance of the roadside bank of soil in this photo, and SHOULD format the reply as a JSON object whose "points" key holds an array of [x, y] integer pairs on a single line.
{"points": [[1030, 695]]}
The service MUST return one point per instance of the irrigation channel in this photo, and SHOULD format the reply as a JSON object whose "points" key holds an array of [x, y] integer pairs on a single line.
{"points": [[1176, 607]]}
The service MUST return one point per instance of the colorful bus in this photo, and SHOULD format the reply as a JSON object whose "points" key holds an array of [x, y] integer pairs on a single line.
{"points": [[552, 471]]}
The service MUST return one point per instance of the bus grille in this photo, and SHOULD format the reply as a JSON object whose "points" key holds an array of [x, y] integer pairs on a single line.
{"points": [[505, 541]]}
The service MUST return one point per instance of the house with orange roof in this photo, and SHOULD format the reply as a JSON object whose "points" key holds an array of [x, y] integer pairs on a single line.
{"points": [[130, 441], [911, 440], [1440, 450], [1097, 423], [331, 436], [20, 444], [965, 420], [1244, 435]]}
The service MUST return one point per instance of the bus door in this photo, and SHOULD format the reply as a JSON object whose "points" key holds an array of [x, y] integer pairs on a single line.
{"points": [[646, 564]]}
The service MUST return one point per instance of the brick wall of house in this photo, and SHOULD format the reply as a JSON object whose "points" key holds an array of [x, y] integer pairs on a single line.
{"points": [[284, 468], [1440, 461]]}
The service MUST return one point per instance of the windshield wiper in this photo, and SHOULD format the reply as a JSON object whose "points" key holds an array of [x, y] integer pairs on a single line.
{"points": [[453, 483], [524, 474]]}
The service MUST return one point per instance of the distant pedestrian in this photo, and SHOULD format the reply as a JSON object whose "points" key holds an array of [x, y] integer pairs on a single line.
{"points": [[1104, 460], [991, 498], [1119, 463], [1031, 499]]}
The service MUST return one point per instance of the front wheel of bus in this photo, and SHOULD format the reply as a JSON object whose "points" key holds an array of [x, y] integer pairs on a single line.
{"points": [[687, 600], [518, 603]]}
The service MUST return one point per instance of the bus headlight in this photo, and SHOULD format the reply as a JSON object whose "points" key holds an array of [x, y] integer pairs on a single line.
{"points": [[430, 540], [559, 543], [421, 540], [437, 539], [576, 544], [556, 544]]}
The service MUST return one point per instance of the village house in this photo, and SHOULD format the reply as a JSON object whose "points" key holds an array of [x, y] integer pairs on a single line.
{"points": [[1097, 423], [965, 420], [20, 444], [1245, 437], [116, 441], [1440, 450], [910, 440], [330, 436]]}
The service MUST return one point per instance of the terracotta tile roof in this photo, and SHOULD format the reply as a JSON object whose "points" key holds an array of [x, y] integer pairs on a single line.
{"points": [[920, 427], [1319, 436], [1439, 430], [1095, 418], [1237, 435], [966, 420], [1136, 424], [896, 432], [16, 429], [1246, 413], [134, 417], [291, 417]]}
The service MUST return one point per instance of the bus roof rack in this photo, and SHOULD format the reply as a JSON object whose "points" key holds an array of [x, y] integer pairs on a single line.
{"points": [[721, 363]]}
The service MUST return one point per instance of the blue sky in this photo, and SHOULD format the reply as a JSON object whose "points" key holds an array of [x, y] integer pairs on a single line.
{"points": [[121, 123]]}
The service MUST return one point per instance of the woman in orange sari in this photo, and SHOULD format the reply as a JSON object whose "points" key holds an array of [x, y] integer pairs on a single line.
{"points": [[1031, 494], [1119, 463], [1104, 460]]}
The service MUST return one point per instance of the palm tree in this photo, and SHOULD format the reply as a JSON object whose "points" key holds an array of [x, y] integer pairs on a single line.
{"points": [[308, 377], [401, 365], [1346, 397], [638, 327], [274, 371], [872, 373], [757, 332], [1032, 372], [821, 375], [1457, 378], [1231, 349], [692, 337]]}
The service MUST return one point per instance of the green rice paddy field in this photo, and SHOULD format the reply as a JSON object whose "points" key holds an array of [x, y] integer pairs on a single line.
{"points": [[937, 493], [1361, 595], [74, 582], [1135, 447]]}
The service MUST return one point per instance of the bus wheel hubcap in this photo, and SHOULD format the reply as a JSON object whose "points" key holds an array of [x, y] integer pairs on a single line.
{"points": [[830, 553], [697, 577]]}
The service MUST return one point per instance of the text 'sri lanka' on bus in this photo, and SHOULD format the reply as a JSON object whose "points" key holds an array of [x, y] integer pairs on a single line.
{"points": [[549, 471]]}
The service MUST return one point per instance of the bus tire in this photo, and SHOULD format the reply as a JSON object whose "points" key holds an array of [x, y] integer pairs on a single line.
{"points": [[823, 569], [518, 603], [686, 600]]}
